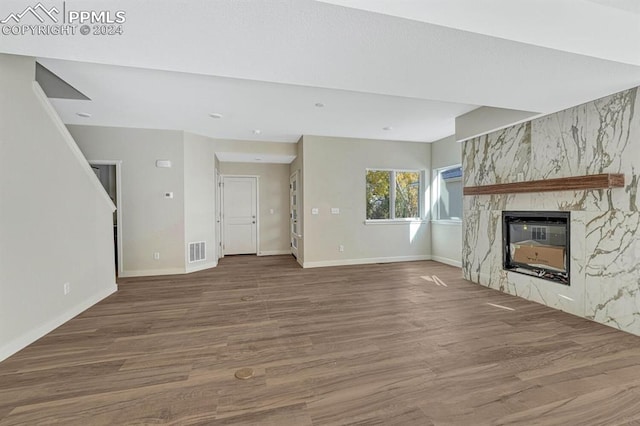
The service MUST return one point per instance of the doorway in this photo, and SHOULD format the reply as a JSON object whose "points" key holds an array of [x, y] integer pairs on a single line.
{"points": [[218, 213], [293, 214], [240, 214], [108, 173]]}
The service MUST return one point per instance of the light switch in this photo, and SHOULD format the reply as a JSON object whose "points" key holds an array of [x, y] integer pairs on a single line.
{"points": [[335, 210], [314, 210], [271, 211]]}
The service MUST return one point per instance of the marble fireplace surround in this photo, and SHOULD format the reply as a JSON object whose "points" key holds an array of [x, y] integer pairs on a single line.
{"points": [[602, 136]]}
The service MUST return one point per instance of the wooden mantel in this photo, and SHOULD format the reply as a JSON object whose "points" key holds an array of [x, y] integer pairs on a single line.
{"points": [[574, 183]]}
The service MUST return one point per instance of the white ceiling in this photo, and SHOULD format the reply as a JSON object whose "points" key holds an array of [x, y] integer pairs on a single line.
{"points": [[242, 157], [412, 65], [135, 97]]}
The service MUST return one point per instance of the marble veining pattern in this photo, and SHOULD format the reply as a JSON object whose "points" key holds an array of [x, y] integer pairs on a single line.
{"points": [[601, 136], [613, 269]]}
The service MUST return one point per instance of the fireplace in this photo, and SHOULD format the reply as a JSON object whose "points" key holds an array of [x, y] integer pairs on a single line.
{"points": [[536, 243]]}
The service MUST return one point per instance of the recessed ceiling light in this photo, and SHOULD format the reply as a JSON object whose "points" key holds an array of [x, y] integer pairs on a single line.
{"points": [[83, 114], [319, 105], [257, 131], [215, 115], [387, 128]]}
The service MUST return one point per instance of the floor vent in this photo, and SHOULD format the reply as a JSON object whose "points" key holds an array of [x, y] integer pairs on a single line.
{"points": [[197, 252]]}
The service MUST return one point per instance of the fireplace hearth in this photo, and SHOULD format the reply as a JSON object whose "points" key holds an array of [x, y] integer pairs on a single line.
{"points": [[537, 243]]}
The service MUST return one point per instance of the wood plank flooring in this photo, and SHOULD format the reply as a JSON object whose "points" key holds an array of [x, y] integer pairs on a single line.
{"points": [[393, 344]]}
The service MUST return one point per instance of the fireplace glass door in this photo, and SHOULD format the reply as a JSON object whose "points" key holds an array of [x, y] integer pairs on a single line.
{"points": [[537, 243]]}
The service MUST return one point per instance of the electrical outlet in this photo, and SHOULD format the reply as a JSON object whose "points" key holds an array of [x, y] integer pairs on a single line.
{"points": [[66, 287], [340, 248], [156, 255]]}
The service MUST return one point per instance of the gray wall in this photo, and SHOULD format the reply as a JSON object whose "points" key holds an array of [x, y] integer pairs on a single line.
{"points": [[199, 198], [334, 176], [446, 236], [150, 222], [55, 218], [487, 119]]}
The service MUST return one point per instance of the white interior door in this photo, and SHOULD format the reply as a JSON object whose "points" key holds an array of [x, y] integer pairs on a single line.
{"points": [[240, 207], [293, 214]]}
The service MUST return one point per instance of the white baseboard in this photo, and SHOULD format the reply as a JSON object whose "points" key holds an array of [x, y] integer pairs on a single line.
{"points": [[447, 261], [274, 252], [151, 272], [28, 338], [344, 262], [200, 266]]}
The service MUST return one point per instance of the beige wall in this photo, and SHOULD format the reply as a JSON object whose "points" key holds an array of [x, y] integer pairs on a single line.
{"points": [[273, 194], [199, 198], [446, 236], [55, 219], [334, 176], [150, 222]]}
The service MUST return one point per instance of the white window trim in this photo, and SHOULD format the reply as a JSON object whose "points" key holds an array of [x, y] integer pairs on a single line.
{"points": [[401, 221], [392, 199]]}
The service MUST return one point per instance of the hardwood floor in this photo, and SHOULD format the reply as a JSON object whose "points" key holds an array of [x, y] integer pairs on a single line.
{"points": [[393, 344]]}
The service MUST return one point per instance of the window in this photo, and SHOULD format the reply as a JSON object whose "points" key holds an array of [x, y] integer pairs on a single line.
{"points": [[448, 188], [539, 233], [393, 194]]}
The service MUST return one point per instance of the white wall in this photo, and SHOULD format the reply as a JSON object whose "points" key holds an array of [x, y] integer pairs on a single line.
{"points": [[273, 193], [334, 176], [446, 235], [55, 219], [150, 223], [199, 198]]}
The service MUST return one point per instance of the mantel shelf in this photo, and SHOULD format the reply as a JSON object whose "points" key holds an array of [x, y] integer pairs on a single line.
{"points": [[574, 183]]}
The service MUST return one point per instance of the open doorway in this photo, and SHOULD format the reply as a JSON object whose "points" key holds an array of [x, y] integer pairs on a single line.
{"points": [[218, 213], [294, 201], [108, 173]]}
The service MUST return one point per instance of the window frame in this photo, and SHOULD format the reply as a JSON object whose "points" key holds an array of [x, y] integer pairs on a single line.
{"points": [[437, 183], [392, 197]]}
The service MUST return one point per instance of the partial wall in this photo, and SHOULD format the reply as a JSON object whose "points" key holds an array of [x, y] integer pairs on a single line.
{"points": [[56, 221], [151, 223], [446, 235]]}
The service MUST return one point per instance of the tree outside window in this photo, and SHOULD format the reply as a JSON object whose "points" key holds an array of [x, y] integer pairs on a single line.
{"points": [[393, 194]]}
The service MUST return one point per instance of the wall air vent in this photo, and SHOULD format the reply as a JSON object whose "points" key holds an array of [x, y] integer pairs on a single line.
{"points": [[197, 251]]}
